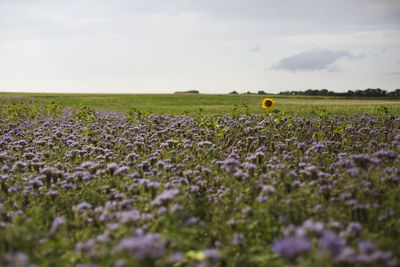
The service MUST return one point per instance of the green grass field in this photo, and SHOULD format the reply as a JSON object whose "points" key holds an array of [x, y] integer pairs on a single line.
{"points": [[178, 104]]}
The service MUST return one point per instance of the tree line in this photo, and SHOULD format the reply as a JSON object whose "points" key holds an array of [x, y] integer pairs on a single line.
{"points": [[370, 92]]}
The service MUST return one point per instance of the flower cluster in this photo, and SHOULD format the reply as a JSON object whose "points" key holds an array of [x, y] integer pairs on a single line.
{"points": [[332, 241], [199, 190]]}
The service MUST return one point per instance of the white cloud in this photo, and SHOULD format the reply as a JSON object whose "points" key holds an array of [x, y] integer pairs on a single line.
{"points": [[314, 60]]}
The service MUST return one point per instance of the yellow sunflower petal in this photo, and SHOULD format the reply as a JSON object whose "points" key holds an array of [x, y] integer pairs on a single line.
{"points": [[268, 104]]}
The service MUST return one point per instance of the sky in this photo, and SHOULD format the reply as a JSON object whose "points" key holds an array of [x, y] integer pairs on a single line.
{"points": [[213, 46]]}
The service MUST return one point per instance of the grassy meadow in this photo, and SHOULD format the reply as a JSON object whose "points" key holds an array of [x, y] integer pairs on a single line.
{"points": [[223, 104]]}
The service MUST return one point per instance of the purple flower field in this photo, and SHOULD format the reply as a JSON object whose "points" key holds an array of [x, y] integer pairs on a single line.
{"points": [[86, 188]]}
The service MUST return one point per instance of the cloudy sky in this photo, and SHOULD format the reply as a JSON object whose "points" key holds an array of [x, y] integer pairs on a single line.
{"points": [[214, 46]]}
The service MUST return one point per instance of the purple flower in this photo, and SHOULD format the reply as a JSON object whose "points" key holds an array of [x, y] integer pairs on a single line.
{"points": [[347, 255], [18, 166], [144, 246], [131, 157], [14, 189], [385, 154], [51, 172], [268, 189], [127, 216], [353, 172], [331, 243], [57, 222], [123, 170], [52, 192], [229, 165], [149, 183], [310, 226], [205, 144], [16, 259], [165, 196], [291, 247], [361, 160], [249, 166], [112, 167], [90, 166], [335, 225], [175, 258], [211, 254], [241, 175], [317, 148], [81, 206], [237, 239], [366, 247], [354, 228], [119, 263]]}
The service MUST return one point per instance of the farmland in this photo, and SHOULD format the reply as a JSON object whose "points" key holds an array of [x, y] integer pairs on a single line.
{"points": [[189, 104], [202, 181]]}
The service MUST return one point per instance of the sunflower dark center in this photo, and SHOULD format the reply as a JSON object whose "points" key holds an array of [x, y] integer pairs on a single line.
{"points": [[268, 103]]}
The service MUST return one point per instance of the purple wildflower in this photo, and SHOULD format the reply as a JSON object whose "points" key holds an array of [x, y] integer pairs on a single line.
{"points": [[81, 206], [165, 196], [112, 167], [367, 247], [18, 166], [292, 247], [229, 165], [211, 254], [57, 222], [145, 246], [16, 259], [331, 243], [237, 239], [354, 228]]}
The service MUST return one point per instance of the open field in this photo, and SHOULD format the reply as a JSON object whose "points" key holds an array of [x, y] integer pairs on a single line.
{"points": [[223, 104], [86, 188]]}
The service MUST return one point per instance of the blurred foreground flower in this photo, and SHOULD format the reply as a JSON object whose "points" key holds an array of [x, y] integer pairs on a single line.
{"points": [[145, 246], [292, 247]]}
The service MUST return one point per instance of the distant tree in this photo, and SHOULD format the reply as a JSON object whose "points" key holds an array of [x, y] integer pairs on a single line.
{"points": [[341, 94], [291, 93], [395, 93], [324, 92], [311, 92], [375, 92], [359, 93], [233, 93], [261, 92], [369, 92], [187, 92]]}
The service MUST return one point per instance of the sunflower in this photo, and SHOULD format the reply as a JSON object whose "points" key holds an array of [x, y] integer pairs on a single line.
{"points": [[268, 104]]}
